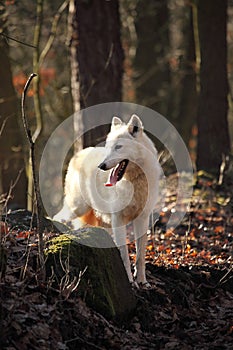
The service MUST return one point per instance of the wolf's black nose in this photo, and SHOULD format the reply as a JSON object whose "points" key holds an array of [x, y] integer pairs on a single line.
{"points": [[102, 166]]}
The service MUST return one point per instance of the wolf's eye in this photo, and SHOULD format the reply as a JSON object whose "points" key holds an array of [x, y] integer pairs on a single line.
{"points": [[118, 147]]}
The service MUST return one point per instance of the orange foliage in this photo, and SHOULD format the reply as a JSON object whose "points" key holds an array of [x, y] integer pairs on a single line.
{"points": [[9, 2], [46, 76]]}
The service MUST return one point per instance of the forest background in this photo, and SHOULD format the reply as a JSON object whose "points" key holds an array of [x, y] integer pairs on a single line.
{"points": [[174, 56]]}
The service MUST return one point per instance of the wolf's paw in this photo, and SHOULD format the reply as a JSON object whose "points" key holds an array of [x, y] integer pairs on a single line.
{"points": [[145, 285], [134, 285], [140, 285]]}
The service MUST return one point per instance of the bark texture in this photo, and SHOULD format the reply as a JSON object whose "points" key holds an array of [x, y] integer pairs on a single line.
{"points": [[96, 47], [213, 134]]}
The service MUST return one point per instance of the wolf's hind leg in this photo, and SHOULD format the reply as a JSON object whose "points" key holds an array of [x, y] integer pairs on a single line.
{"points": [[66, 214]]}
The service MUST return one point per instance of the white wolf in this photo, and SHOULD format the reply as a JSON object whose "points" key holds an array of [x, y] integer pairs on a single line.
{"points": [[116, 184]]}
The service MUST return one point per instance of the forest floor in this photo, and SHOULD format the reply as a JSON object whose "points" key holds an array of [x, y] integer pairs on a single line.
{"points": [[189, 306]]}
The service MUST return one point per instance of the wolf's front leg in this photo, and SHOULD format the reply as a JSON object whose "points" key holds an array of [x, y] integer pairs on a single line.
{"points": [[140, 231], [119, 232]]}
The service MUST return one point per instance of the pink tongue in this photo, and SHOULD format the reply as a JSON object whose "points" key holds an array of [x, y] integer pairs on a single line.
{"points": [[112, 178]]}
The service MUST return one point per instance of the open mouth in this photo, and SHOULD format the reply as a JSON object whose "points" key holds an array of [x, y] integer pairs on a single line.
{"points": [[117, 173]]}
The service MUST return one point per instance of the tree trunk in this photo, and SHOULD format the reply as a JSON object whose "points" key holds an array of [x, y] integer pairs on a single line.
{"points": [[96, 49], [151, 63], [11, 154], [213, 134], [188, 96]]}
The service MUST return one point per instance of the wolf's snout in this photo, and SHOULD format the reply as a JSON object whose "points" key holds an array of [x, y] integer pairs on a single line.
{"points": [[102, 166]]}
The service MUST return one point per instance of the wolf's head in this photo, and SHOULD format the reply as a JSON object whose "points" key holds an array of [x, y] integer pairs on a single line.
{"points": [[134, 128], [122, 145]]}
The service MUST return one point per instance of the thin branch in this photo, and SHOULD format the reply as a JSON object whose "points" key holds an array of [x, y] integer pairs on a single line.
{"points": [[53, 31], [36, 97], [223, 279], [108, 59], [12, 186], [16, 40], [36, 82], [3, 126], [25, 122], [34, 176], [84, 342], [72, 42]]}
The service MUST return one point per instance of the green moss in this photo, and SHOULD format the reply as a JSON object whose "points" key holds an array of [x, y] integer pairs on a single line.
{"points": [[104, 285]]}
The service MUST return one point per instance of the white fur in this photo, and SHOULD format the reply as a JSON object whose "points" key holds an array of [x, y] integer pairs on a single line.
{"points": [[133, 198]]}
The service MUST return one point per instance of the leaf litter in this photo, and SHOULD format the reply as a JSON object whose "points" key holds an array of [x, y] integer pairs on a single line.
{"points": [[189, 304]]}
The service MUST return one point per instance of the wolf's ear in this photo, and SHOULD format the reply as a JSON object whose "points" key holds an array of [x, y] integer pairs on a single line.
{"points": [[135, 126], [116, 122]]}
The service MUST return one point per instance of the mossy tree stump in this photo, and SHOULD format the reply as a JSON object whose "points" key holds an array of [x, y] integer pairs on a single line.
{"points": [[104, 285]]}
